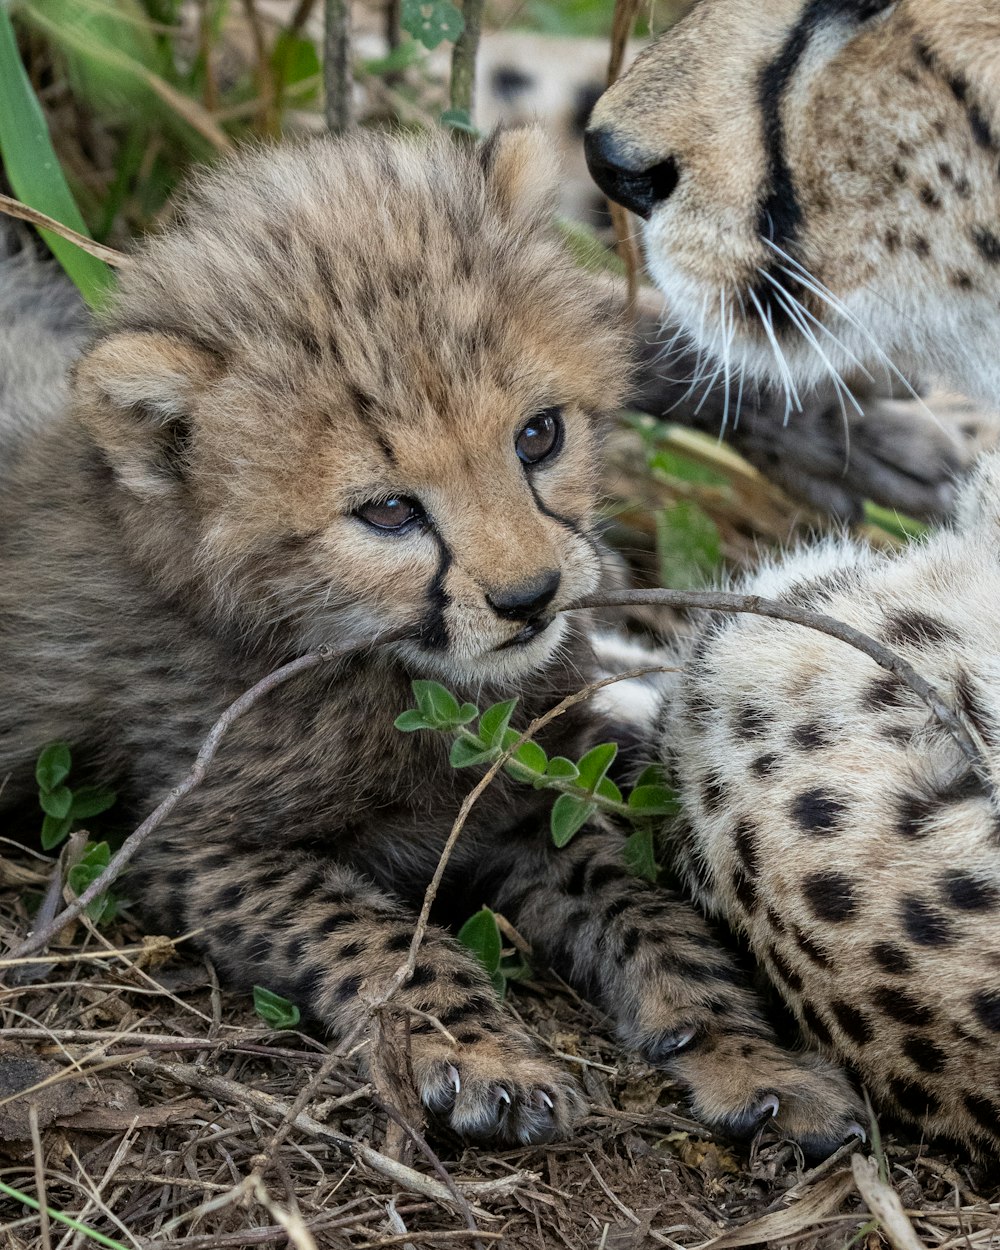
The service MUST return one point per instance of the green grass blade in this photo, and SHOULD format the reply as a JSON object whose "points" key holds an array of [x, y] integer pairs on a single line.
{"points": [[34, 172], [92, 1233]]}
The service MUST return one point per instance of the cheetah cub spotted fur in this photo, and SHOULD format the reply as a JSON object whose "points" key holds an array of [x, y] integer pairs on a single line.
{"points": [[818, 178], [359, 385]]}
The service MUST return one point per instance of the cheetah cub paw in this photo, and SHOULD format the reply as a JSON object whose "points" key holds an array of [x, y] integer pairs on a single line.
{"points": [[494, 1092]]}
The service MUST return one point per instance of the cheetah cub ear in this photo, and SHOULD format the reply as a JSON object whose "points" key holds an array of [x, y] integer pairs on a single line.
{"points": [[135, 394], [522, 174]]}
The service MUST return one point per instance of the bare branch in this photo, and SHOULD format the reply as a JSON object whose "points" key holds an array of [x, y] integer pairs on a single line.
{"points": [[622, 221], [756, 605], [238, 1095], [337, 80], [463, 58]]}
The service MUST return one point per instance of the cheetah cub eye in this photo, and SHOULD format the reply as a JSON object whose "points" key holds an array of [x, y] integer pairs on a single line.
{"points": [[394, 514], [541, 438]]}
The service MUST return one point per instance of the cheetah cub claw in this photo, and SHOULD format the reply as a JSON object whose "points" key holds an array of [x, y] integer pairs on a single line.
{"points": [[486, 1094]]}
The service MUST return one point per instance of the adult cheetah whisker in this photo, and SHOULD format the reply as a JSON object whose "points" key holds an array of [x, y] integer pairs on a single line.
{"points": [[794, 310], [721, 354], [823, 292], [729, 323], [855, 360], [788, 384], [797, 312]]}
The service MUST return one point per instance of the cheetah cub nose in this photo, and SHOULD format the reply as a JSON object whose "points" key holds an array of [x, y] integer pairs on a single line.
{"points": [[623, 176], [525, 601]]}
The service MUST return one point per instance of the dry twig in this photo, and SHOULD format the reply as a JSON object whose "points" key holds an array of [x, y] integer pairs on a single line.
{"points": [[337, 80], [463, 58], [757, 605], [621, 30], [24, 212]]}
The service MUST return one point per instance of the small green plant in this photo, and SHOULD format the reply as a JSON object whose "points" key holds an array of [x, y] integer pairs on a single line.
{"points": [[63, 806], [481, 935], [583, 787], [274, 1010], [432, 21], [96, 857]]}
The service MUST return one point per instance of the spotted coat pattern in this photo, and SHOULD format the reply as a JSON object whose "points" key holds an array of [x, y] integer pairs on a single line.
{"points": [[838, 201]]}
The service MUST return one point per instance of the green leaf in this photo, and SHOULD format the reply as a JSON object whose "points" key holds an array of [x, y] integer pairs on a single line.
{"points": [[431, 21], [95, 859], [274, 1010], [653, 801], [685, 468], [55, 831], [467, 713], [90, 801], [56, 802], [465, 753], [561, 767], [103, 909], [412, 720], [53, 766], [607, 789], [494, 721], [34, 172], [400, 58], [640, 855], [569, 813], [294, 59], [528, 762], [459, 119], [688, 542], [595, 764], [651, 775], [481, 935], [515, 967], [894, 523], [96, 855], [437, 703], [587, 249], [499, 982]]}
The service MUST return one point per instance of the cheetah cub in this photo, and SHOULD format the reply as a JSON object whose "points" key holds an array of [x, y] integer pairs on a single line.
{"points": [[359, 385], [818, 178]]}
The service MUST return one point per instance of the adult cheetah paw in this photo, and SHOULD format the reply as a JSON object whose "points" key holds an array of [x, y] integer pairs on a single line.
{"points": [[488, 1094]]}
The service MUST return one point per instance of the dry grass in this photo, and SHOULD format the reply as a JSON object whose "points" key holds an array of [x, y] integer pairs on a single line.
{"points": [[156, 1100]]}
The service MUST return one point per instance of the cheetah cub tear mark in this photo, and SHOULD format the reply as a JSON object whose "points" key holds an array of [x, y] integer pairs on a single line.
{"points": [[358, 385], [839, 198]]}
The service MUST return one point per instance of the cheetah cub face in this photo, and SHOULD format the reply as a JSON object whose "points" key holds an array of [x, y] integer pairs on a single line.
{"points": [[358, 386], [819, 181]]}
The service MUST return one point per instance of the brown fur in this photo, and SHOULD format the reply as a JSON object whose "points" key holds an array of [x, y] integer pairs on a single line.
{"points": [[323, 327], [828, 817]]}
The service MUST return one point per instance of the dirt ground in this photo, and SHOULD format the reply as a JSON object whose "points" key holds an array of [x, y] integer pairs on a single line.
{"points": [[151, 1108]]}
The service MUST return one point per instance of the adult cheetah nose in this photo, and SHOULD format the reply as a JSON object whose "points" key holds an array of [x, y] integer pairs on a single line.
{"points": [[525, 601], [624, 176]]}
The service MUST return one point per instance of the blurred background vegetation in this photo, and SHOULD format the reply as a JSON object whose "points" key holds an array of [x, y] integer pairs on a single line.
{"points": [[134, 91]]}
